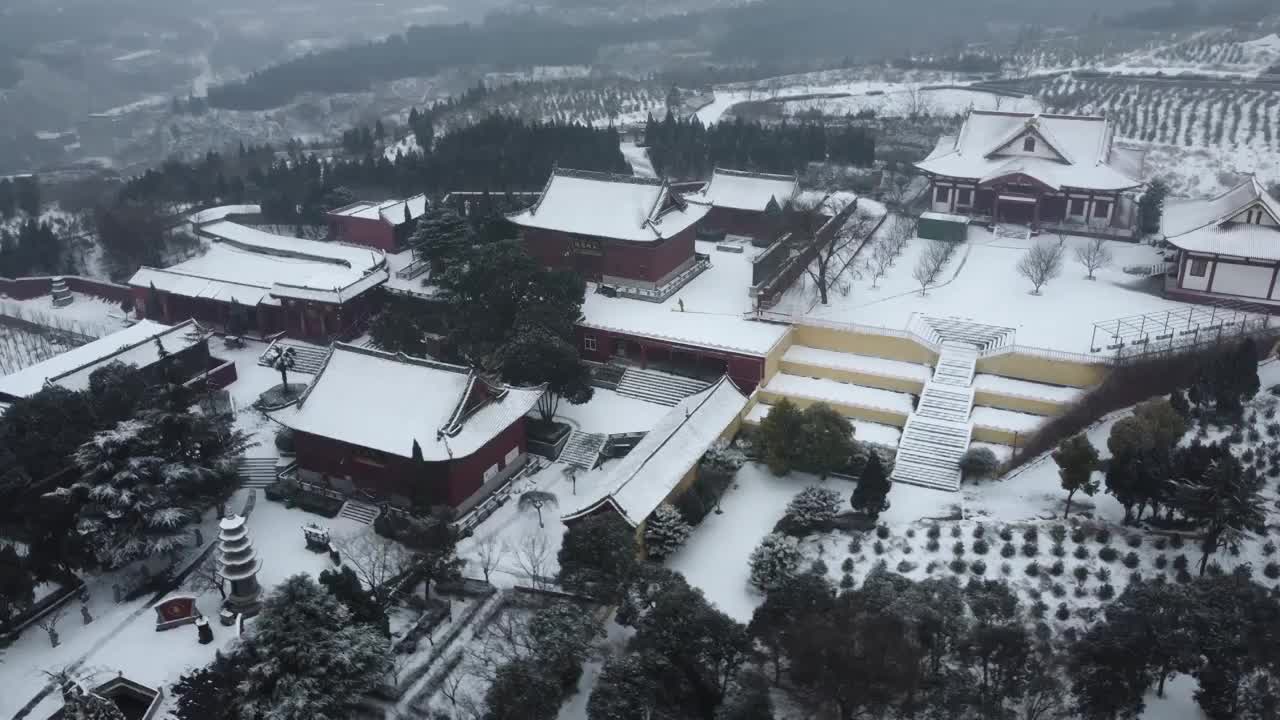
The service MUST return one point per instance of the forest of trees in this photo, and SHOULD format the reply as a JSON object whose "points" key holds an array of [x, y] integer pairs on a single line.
{"points": [[497, 154], [688, 149]]}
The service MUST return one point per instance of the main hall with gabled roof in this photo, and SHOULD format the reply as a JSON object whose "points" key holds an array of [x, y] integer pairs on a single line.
{"points": [[1039, 170]]}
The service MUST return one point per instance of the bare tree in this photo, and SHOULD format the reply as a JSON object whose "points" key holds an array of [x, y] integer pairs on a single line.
{"points": [[536, 499], [880, 261], [1094, 256], [49, 623], [489, 554], [835, 252], [376, 560], [931, 263], [532, 556], [1041, 263], [916, 101], [205, 577]]}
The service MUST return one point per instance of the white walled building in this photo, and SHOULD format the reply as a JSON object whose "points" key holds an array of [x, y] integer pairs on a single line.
{"points": [[1228, 246]]}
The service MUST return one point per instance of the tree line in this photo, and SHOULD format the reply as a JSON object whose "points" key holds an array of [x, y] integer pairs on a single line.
{"points": [[685, 148], [497, 154]]}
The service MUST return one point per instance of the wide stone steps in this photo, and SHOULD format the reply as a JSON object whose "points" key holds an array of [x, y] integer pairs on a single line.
{"points": [[362, 513], [582, 450], [306, 358], [256, 472], [929, 453], [945, 402], [937, 434], [656, 387]]}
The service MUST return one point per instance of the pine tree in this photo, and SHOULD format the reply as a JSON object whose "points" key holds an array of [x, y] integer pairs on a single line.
{"points": [[211, 692], [775, 561], [1151, 207], [598, 555], [871, 496], [812, 508], [779, 437], [79, 704], [828, 440], [1076, 458], [1225, 502], [664, 532], [305, 659]]}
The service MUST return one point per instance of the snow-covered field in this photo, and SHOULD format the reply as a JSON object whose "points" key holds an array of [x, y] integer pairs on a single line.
{"points": [[981, 284], [1000, 529], [900, 100]]}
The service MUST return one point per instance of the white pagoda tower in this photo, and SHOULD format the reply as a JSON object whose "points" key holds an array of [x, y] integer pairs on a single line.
{"points": [[239, 564]]}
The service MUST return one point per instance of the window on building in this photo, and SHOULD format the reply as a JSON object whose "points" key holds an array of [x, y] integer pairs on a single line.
{"points": [[964, 196], [941, 194], [511, 456], [588, 343], [491, 472], [1077, 207], [1028, 144], [1101, 208], [1199, 266]]}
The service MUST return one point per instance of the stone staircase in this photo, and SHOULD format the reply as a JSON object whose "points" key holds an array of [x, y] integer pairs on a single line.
{"points": [[363, 513], [937, 433], [306, 358], [656, 387], [582, 450], [256, 472]]}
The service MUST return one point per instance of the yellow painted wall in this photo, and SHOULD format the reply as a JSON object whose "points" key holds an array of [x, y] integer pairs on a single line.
{"points": [[883, 346], [1045, 370], [774, 358], [1017, 404], [876, 415], [883, 382], [996, 435]]}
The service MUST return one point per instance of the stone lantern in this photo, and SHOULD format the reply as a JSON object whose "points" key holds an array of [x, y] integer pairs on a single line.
{"points": [[238, 564]]}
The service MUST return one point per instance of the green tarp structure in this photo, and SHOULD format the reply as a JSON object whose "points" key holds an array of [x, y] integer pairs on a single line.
{"points": [[942, 226]]}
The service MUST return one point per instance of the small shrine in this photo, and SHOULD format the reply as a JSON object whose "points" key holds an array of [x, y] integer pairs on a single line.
{"points": [[61, 293], [239, 564]]}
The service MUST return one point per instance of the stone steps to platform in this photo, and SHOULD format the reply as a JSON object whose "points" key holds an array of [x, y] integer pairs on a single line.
{"points": [[937, 434], [256, 472], [306, 358], [362, 513], [582, 450], [657, 387]]}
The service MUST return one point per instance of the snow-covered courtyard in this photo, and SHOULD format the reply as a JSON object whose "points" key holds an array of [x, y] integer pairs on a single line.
{"points": [[981, 284]]}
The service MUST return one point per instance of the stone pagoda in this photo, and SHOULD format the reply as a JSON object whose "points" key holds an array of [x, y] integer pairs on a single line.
{"points": [[239, 564], [61, 293]]}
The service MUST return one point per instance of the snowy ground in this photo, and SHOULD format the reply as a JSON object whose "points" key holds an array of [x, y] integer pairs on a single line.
{"points": [[982, 285], [922, 528], [901, 100], [87, 314], [638, 157], [1196, 172]]}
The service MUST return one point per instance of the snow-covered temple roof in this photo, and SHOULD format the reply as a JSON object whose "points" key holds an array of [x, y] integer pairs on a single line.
{"points": [[386, 401], [1073, 151], [651, 471], [618, 207], [389, 211], [1221, 225], [740, 190], [252, 267], [134, 345]]}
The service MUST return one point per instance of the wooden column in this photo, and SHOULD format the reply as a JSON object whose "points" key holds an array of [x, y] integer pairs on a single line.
{"points": [[995, 207], [1212, 271], [1035, 221]]}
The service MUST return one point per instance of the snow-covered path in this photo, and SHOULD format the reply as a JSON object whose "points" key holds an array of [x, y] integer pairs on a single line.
{"points": [[638, 157]]}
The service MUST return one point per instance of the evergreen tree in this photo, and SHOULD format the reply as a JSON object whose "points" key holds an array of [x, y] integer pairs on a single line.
{"points": [[1225, 502], [211, 692], [1151, 207], [522, 690], [625, 689], [978, 462], [871, 496], [774, 562], [812, 508], [664, 532], [305, 659], [779, 437], [828, 440], [365, 609], [17, 586], [598, 555], [1076, 458], [442, 237], [535, 355]]}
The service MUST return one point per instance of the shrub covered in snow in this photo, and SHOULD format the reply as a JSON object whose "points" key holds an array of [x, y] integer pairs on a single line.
{"points": [[774, 561], [665, 531], [978, 463], [978, 567], [811, 508]]}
